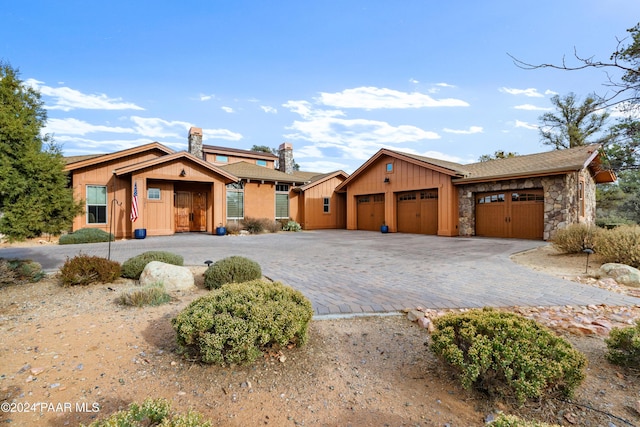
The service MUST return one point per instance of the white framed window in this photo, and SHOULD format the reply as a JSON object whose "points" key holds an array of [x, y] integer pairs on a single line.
{"points": [[153, 193], [235, 200], [326, 205], [282, 201], [96, 204]]}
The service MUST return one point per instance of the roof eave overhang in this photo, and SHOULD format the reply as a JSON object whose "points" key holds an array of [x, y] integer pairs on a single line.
{"points": [[117, 155], [506, 177]]}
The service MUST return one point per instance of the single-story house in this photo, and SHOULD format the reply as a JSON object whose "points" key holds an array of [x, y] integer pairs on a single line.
{"points": [[530, 196], [199, 190]]}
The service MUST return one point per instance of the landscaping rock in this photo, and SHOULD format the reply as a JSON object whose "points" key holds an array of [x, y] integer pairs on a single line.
{"points": [[174, 277], [622, 273], [414, 315]]}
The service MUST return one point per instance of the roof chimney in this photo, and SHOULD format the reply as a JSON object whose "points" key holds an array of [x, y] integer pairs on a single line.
{"points": [[285, 158], [195, 142]]}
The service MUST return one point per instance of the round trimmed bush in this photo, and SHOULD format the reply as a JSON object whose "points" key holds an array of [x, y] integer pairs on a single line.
{"points": [[133, 267], [85, 269], [233, 269], [623, 346], [234, 324], [507, 355]]}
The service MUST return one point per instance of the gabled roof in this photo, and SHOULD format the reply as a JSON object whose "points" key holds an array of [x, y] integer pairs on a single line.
{"points": [[319, 179], [250, 171], [172, 157], [214, 149], [92, 160], [539, 164], [443, 166]]}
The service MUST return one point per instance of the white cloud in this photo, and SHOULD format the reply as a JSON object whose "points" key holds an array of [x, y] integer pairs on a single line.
{"points": [[322, 166], [67, 99], [228, 109], [204, 97], [530, 107], [225, 134], [308, 151], [72, 126], [89, 146], [414, 81], [159, 128], [525, 125], [370, 98], [269, 109], [531, 92], [550, 92], [470, 131], [444, 85]]}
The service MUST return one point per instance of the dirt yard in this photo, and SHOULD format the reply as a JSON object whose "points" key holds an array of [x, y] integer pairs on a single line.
{"points": [[71, 355]]}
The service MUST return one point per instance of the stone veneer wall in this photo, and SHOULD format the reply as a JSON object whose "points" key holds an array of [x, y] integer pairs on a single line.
{"points": [[560, 200]]}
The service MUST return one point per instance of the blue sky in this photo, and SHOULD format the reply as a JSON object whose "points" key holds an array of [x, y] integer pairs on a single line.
{"points": [[337, 79]]}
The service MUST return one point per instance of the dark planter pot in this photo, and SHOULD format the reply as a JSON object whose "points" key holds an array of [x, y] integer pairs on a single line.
{"points": [[221, 231], [140, 233], [384, 228]]}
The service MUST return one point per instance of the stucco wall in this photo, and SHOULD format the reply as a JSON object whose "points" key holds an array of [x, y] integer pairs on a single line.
{"points": [[561, 203]]}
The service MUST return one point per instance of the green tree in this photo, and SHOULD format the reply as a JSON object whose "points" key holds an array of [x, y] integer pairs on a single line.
{"points": [[34, 195], [264, 149], [500, 154], [575, 124]]}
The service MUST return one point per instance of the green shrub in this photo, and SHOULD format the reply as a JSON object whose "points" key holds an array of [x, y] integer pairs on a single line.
{"points": [[291, 226], [133, 267], [86, 235], [620, 244], [19, 271], [512, 421], [152, 412], [233, 269], [254, 225], [623, 346], [234, 324], [85, 269], [575, 238], [506, 354], [154, 294]]}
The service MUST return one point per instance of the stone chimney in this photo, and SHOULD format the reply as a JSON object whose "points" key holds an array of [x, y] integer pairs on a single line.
{"points": [[195, 142], [285, 158]]}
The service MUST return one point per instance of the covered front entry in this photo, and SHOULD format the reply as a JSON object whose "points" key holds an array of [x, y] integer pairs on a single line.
{"points": [[190, 211], [517, 214], [418, 212], [370, 212]]}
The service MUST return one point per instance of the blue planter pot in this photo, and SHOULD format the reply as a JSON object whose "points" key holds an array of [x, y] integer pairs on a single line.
{"points": [[384, 228], [140, 233], [221, 231]]}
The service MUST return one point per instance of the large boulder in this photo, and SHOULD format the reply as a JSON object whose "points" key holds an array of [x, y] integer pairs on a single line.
{"points": [[174, 277], [622, 273]]}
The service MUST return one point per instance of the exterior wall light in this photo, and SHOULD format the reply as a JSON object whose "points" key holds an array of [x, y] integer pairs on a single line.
{"points": [[386, 180]]}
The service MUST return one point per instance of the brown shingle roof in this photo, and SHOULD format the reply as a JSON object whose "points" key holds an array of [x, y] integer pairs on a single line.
{"points": [[250, 171], [212, 149], [547, 163], [73, 159]]}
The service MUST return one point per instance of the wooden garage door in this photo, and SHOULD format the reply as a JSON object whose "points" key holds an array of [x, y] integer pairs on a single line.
{"points": [[418, 212], [517, 214], [370, 212]]}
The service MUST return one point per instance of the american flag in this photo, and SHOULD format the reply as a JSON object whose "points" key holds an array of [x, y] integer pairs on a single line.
{"points": [[134, 203]]}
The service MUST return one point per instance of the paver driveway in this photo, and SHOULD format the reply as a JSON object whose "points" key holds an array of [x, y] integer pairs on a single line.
{"points": [[344, 271]]}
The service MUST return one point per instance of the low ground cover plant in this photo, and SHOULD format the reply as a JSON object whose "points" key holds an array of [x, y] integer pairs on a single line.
{"points": [[620, 244], [623, 346], [84, 270], [504, 420], [18, 271], [233, 269], [507, 355], [86, 235], [291, 226], [236, 323], [152, 412], [153, 294], [133, 267], [575, 238]]}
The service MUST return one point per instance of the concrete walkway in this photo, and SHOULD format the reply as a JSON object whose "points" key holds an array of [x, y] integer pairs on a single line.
{"points": [[345, 272]]}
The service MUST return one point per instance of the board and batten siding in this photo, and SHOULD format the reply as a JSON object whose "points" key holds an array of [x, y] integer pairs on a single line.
{"points": [[312, 206]]}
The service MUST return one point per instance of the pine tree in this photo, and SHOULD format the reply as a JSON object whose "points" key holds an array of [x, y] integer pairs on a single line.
{"points": [[34, 195]]}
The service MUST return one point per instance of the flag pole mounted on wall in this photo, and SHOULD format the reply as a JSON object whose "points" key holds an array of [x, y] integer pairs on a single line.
{"points": [[134, 203]]}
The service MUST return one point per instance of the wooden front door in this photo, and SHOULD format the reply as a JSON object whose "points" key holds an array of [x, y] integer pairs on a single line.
{"points": [[190, 211]]}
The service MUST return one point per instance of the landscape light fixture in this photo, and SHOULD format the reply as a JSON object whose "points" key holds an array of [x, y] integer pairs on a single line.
{"points": [[588, 251], [208, 262], [386, 180]]}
